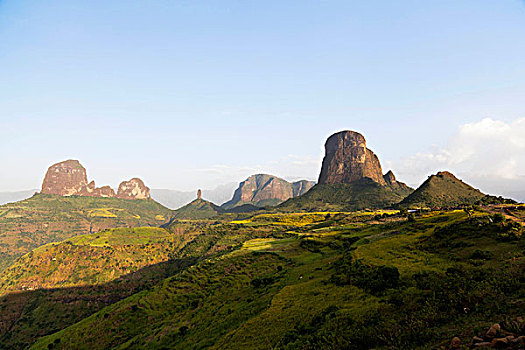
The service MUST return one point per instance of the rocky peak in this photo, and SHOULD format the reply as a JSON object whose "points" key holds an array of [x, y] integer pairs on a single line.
{"points": [[347, 159], [65, 178], [69, 178], [263, 189], [390, 178], [446, 174], [199, 194], [133, 189]]}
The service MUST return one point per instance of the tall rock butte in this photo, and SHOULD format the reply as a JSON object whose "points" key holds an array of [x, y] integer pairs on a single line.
{"points": [[69, 178], [347, 159], [65, 179]]}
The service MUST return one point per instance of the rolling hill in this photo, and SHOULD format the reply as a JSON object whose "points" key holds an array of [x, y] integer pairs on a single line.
{"points": [[46, 218], [442, 190]]}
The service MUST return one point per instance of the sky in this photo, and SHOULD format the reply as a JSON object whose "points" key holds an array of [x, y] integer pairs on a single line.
{"points": [[194, 94]]}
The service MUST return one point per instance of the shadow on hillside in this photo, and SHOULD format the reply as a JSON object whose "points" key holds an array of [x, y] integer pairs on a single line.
{"points": [[28, 315]]}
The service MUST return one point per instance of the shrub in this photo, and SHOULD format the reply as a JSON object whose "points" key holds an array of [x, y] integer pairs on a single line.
{"points": [[498, 217]]}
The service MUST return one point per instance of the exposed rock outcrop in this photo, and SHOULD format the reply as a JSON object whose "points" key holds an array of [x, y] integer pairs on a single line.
{"points": [[347, 160], [391, 180], [133, 189], [66, 178], [266, 190], [69, 178]]}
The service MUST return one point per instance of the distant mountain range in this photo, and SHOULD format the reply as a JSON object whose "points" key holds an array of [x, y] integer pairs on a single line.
{"points": [[11, 197]]}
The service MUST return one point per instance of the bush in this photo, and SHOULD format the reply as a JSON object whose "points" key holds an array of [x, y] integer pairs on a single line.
{"points": [[498, 217], [480, 254], [370, 278]]}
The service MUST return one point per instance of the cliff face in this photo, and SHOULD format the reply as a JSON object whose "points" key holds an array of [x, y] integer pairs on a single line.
{"points": [[69, 178], [65, 179], [347, 160], [263, 189], [133, 189]]}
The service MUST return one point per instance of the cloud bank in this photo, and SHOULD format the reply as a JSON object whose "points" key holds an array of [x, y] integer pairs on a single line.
{"points": [[489, 154]]}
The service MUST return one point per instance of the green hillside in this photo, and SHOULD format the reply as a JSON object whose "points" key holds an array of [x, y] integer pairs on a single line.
{"points": [[42, 219], [324, 280], [42, 295], [357, 195], [442, 190], [72, 279]]}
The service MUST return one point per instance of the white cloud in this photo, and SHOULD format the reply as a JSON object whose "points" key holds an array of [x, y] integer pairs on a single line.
{"points": [[487, 152]]}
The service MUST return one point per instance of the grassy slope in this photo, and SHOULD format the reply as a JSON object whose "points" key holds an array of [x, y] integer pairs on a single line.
{"points": [[99, 269], [42, 219], [323, 279], [90, 259], [442, 191], [344, 197]]}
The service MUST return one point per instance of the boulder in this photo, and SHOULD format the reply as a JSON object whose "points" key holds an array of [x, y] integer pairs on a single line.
{"points": [[499, 343], [455, 343], [493, 331]]}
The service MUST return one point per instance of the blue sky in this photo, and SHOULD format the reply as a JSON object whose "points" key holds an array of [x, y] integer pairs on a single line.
{"points": [[189, 94]]}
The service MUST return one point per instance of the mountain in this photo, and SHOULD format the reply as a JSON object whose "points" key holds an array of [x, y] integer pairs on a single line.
{"points": [[351, 178], [442, 190], [263, 190], [69, 178], [10, 197], [175, 199]]}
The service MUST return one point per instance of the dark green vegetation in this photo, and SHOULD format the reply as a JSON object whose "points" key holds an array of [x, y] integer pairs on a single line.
{"points": [[357, 195], [42, 219], [315, 280]]}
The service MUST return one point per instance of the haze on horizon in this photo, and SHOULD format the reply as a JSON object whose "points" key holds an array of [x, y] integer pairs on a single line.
{"points": [[190, 95]]}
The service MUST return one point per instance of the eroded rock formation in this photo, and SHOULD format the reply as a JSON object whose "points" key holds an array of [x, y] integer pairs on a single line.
{"points": [[347, 160], [69, 178], [66, 178], [133, 189], [263, 189]]}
